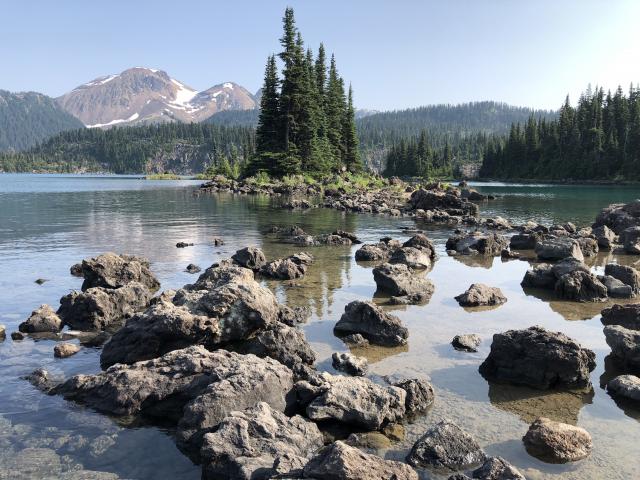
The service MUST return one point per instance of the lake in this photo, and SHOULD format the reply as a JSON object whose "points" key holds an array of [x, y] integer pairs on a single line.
{"points": [[50, 222]]}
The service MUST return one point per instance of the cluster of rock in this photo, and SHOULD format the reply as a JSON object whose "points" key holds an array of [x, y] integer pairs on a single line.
{"points": [[571, 279], [418, 252], [476, 243]]}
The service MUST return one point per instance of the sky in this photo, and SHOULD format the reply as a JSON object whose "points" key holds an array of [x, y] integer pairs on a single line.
{"points": [[395, 53]]}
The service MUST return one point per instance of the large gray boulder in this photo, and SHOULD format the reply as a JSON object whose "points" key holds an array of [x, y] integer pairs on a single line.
{"points": [[557, 442], [604, 236], [627, 386], [225, 305], [400, 282], [445, 446], [627, 275], [538, 358], [255, 442], [250, 257], [111, 270], [625, 344], [43, 319], [627, 316], [354, 401], [479, 294], [630, 239], [420, 394], [373, 323], [422, 242], [540, 276], [294, 266], [477, 243], [100, 308], [558, 248], [615, 288], [440, 199], [619, 216], [525, 241], [581, 286], [412, 257], [340, 461]]}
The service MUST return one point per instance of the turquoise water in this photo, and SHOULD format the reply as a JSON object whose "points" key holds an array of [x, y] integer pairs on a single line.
{"points": [[48, 223]]}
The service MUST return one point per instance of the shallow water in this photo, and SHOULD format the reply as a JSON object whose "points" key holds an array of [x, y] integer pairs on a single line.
{"points": [[48, 223]]}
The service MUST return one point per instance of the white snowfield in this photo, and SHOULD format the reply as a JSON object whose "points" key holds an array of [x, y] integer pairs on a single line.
{"points": [[114, 122]]}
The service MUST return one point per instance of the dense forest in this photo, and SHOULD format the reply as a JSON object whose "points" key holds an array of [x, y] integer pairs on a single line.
{"points": [[307, 121], [599, 139], [172, 147], [27, 118]]}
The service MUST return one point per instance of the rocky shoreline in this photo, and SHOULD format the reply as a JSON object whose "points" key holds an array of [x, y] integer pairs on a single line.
{"points": [[224, 363]]}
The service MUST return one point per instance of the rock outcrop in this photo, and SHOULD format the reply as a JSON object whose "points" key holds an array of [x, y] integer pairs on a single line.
{"points": [[625, 345], [402, 284], [480, 295], [580, 286], [250, 257], [111, 270], [294, 266], [477, 243], [373, 323], [43, 319], [538, 358], [558, 248], [619, 216], [627, 316]]}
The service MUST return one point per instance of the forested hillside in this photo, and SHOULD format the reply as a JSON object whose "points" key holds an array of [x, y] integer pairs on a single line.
{"points": [[176, 147], [27, 118], [597, 140]]}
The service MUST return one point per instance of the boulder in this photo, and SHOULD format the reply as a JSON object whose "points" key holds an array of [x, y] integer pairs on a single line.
{"points": [[225, 305], [625, 345], [64, 350], [398, 280], [100, 308], [250, 257], [558, 248], [619, 216], [192, 268], [373, 323], [110, 270], [372, 252], [580, 286], [569, 265], [355, 401], [349, 363], [627, 275], [479, 294], [466, 343], [340, 461], [615, 288], [630, 239], [477, 243], [627, 316], [588, 246], [438, 199], [557, 442], [411, 257], [541, 276], [604, 236], [420, 394], [497, 468], [217, 241], [43, 319], [252, 443], [525, 241], [627, 386], [538, 358], [294, 266], [445, 446], [355, 340], [422, 242]]}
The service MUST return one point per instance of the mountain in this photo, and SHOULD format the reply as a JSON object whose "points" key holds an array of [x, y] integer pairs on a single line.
{"points": [[27, 118], [146, 95]]}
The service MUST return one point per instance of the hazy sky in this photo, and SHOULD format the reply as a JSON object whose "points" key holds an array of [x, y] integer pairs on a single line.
{"points": [[397, 53]]}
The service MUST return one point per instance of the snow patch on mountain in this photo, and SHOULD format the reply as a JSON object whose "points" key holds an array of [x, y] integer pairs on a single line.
{"points": [[132, 118]]}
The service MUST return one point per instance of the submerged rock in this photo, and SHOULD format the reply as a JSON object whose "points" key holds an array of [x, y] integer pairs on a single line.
{"points": [[101, 308], [627, 386], [355, 401], [340, 461], [557, 442], [559, 248], [64, 350], [252, 444], [538, 358], [479, 294], [445, 446], [400, 281], [497, 468], [110, 270], [625, 344], [43, 319], [369, 320], [466, 343], [349, 363], [192, 268]]}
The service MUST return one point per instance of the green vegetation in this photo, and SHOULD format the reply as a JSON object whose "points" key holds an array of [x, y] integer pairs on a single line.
{"points": [[168, 148], [163, 176], [597, 140], [306, 122], [417, 158], [27, 118]]}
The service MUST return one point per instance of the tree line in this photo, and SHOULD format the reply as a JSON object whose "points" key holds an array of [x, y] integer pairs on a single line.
{"points": [[307, 121], [599, 139]]}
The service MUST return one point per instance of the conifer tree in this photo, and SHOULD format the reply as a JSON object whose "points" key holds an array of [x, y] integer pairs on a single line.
{"points": [[350, 137], [335, 112], [268, 141]]}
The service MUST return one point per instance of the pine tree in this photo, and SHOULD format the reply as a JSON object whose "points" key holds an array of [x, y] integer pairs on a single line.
{"points": [[335, 113], [268, 138], [350, 137]]}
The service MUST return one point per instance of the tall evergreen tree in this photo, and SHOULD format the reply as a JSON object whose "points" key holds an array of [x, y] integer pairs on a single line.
{"points": [[268, 140], [350, 137]]}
